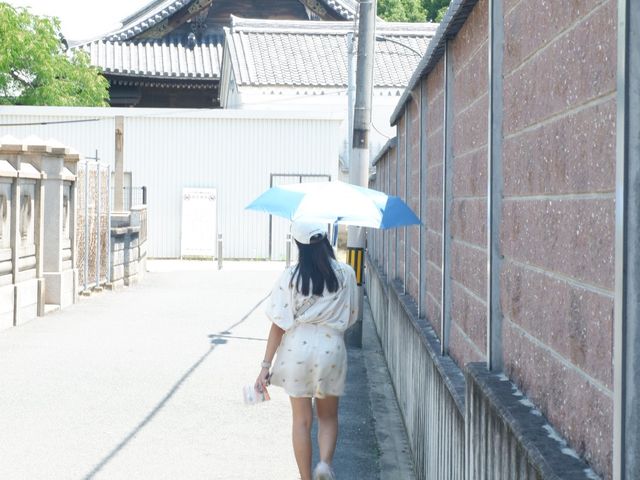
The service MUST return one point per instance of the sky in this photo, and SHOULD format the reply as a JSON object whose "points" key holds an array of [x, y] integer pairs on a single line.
{"points": [[83, 19]]}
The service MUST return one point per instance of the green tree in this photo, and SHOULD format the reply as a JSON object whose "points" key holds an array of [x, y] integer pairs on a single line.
{"points": [[36, 70], [412, 10], [435, 9], [401, 10]]}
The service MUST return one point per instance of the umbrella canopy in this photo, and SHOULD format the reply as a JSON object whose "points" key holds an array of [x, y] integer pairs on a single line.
{"points": [[335, 202]]}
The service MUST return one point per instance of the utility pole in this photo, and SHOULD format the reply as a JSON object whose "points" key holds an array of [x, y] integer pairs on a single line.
{"points": [[118, 204], [359, 164]]}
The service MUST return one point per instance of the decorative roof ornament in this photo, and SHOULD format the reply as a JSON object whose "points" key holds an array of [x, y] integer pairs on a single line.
{"points": [[153, 19]]}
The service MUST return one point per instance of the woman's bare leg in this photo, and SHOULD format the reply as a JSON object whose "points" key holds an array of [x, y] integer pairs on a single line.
{"points": [[302, 420], [327, 427]]}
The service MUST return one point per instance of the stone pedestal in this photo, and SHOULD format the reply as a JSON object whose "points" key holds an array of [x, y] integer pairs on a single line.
{"points": [[57, 263]]}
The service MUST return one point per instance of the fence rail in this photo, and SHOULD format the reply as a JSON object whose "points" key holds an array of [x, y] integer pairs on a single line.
{"points": [[93, 239], [131, 197]]}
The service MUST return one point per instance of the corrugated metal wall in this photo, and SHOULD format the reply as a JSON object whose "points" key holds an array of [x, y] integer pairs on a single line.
{"points": [[167, 150]]}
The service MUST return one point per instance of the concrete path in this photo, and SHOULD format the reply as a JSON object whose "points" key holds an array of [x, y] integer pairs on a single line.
{"points": [[145, 383]]}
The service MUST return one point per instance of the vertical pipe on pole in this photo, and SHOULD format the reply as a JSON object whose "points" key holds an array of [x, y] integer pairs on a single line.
{"points": [[219, 251], [406, 196], [494, 185], [397, 193], [447, 130], [422, 203], [351, 91], [626, 424]]}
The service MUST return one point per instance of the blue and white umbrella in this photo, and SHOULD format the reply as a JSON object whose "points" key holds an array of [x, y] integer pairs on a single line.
{"points": [[335, 202]]}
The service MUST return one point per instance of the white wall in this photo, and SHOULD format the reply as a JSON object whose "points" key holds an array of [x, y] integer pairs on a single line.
{"points": [[327, 100], [168, 149]]}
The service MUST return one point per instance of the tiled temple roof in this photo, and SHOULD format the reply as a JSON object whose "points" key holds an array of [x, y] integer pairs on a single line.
{"points": [[157, 59], [292, 53], [159, 11]]}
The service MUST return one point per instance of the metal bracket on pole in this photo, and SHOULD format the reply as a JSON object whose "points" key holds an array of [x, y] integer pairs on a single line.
{"points": [[288, 249], [355, 258]]}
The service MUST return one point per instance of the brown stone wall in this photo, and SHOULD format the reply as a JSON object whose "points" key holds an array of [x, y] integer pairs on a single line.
{"points": [[469, 207], [557, 233]]}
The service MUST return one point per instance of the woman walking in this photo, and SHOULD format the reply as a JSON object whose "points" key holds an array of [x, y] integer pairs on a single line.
{"points": [[310, 307]]}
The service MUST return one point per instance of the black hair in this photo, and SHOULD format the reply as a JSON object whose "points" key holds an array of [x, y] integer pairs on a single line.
{"points": [[314, 264]]}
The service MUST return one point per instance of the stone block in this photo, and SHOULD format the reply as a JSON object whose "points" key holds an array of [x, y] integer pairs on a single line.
{"points": [[575, 322], [434, 247], [435, 116], [413, 199], [470, 315], [6, 306], [435, 83], [573, 154], [570, 237], [434, 214], [469, 220], [434, 281], [59, 288], [461, 349], [574, 69], [434, 149], [434, 182], [581, 410], [469, 268], [530, 26], [433, 314], [472, 35], [470, 127], [117, 273], [470, 173], [117, 258], [471, 79], [27, 301]]}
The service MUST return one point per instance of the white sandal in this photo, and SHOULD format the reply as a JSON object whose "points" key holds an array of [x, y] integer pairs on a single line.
{"points": [[323, 472]]}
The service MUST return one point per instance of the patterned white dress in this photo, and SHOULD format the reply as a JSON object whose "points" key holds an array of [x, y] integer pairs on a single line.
{"points": [[311, 360]]}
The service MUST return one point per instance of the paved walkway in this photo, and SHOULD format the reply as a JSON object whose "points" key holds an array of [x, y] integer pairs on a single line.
{"points": [[145, 383]]}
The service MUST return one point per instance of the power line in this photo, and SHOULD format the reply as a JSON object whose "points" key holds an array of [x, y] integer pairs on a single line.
{"points": [[53, 122]]}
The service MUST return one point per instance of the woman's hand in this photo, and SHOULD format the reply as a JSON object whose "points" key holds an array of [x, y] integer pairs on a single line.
{"points": [[263, 380]]}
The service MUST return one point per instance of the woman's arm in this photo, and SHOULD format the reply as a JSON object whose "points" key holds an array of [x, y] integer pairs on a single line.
{"points": [[275, 336]]}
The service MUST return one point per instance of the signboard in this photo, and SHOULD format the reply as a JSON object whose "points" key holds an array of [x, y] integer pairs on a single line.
{"points": [[198, 223]]}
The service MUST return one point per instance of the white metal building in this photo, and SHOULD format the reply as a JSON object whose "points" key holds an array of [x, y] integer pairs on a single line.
{"points": [[239, 153]]}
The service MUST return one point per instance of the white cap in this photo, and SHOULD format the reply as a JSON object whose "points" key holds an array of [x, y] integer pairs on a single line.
{"points": [[304, 232]]}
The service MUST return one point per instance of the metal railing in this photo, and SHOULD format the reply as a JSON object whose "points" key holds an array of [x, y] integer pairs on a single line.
{"points": [[132, 197]]}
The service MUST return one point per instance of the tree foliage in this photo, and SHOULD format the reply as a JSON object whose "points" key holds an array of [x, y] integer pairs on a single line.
{"points": [[435, 9], [36, 70], [401, 10], [412, 10]]}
